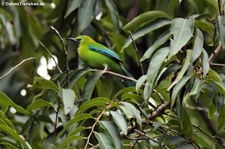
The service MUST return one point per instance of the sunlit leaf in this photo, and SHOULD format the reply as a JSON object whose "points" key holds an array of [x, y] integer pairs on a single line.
{"points": [[198, 46], [182, 82], [153, 70], [103, 140], [205, 62], [120, 121], [182, 30], [183, 69], [112, 133], [68, 96], [135, 112]]}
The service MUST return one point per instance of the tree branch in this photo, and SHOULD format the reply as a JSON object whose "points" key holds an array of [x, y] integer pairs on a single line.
{"points": [[117, 74], [215, 53], [13, 68], [160, 110], [66, 54]]}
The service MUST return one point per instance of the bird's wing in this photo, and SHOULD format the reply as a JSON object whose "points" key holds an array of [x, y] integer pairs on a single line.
{"points": [[105, 51]]}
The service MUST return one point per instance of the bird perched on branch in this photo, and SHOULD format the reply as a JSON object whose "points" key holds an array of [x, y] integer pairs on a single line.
{"points": [[96, 55]]}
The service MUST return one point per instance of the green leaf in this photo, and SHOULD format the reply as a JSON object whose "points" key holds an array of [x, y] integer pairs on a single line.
{"points": [[153, 71], [112, 133], [125, 90], [44, 84], [73, 4], [159, 41], [114, 14], [120, 121], [5, 101], [39, 104], [182, 30], [99, 101], [127, 112], [198, 84], [143, 19], [135, 112], [205, 26], [77, 75], [103, 140], [186, 124], [221, 29], [183, 69], [220, 120], [76, 130], [198, 46], [73, 121], [182, 82], [145, 30], [12, 132], [205, 63], [90, 85], [85, 14], [140, 82], [68, 96], [68, 141]]}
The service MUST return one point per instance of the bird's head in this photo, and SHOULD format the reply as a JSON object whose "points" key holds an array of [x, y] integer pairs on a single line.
{"points": [[82, 40]]}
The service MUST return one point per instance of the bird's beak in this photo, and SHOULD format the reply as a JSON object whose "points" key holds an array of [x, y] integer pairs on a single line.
{"points": [[72, 39]]}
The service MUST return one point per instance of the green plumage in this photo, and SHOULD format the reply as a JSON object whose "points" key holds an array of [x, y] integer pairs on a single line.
{"points": [[96, 55]]}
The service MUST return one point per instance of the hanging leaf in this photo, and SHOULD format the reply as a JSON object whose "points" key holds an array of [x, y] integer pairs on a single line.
{"points": [[73, 5], [103, 140], [198, 46], [119, 120], [153, 71], [182, 31], [68, 96], [159, 41], [112, 133], [90, 85], [85, 14], [114, 14], [183, 69]]}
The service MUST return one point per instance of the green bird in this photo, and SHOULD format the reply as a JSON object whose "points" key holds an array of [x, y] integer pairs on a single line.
{"points": [[96, 55]]}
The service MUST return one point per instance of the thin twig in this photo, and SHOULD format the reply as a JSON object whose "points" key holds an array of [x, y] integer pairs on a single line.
{"points": [[215, 53], [66, 54], [139, 57], [117, 74], [93, 126], [217, 64], [13, 68], [50, 54]]}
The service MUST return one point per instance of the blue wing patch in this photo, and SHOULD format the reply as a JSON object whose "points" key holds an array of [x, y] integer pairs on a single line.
{"points": [[106, 52]]}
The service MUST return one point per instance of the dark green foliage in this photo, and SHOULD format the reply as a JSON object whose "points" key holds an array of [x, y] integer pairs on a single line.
{"points": [[167, 45]]}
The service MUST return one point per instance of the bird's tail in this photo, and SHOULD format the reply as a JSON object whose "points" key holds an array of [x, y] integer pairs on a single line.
{"points": [[126, 81]]}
